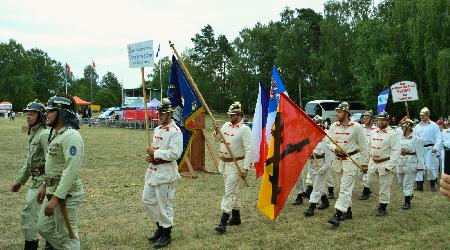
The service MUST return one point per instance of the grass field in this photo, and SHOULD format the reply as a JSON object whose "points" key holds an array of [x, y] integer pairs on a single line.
{"points": [[112, 216]]}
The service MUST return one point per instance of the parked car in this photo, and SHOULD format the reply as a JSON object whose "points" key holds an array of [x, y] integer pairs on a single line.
{"points": [[357, 117], [108, 114], [325, 109]]}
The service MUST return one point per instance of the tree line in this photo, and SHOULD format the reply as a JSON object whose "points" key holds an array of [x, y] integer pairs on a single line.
{"points": [[352, 51], [26, 75]]}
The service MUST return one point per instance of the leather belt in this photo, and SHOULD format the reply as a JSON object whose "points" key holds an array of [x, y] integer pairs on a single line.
{"points": [[50, 182], [344, 157], [407, 153], [231, 159], [159, 162], [382, 160], [428, 145], [318, 156]]}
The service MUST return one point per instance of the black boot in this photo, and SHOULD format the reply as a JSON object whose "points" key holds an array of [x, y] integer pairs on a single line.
{"points": [[310, 211], [407, 204], [433, 185], [336, 218], [330, 193], [222, 227], [308, 192], [382, 210], [365, 194], [347, 215], [157, 234], [48, 246], [165, 238], [235, 218], [419, 186], [299, 200], [31, 245], [325, 203]]}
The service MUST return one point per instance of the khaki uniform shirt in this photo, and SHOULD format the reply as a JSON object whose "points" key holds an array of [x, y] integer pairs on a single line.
{"points": [[239, 138], [168, 142], [63, 162], [350, 138], [383, 144], [37, 147]]}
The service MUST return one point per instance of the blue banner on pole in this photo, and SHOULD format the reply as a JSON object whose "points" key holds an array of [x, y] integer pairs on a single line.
{"points": [[382, 100]]}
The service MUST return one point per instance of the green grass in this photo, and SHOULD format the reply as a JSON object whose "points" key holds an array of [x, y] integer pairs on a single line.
{"points": [[112, 216]]}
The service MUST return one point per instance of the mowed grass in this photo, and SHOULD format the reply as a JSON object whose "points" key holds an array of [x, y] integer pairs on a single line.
{"points": [[112, 216]]}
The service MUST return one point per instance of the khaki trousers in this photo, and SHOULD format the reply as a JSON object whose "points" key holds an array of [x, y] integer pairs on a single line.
{"points": [[384, 183], [157, 200], [30, 214]]}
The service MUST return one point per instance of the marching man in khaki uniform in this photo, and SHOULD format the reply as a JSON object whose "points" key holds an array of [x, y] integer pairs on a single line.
{"points": [[350, 137], [58, 218], [34, 167], [319, 164], [162, 174], [368, 128], [384, 150], [239, 138], [410, 161]]}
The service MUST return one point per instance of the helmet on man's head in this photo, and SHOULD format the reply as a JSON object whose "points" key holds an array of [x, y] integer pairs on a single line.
{"points": [[235, 108], [368, 113], [165, 106], [35, 106], [344, 106], [407, 123], [383, 115], [425, 111], [319, 120], [62, 102]]}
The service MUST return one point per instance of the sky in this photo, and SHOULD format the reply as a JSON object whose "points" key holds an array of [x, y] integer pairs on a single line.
{"points": [[80, 32]]}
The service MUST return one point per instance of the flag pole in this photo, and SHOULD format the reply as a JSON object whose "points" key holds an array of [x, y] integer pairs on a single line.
{"points": [[345, 152], [144, 92], [160, 82], [194, 86]]}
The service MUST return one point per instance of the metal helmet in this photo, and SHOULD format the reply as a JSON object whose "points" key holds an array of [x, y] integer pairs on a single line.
{"points": [[35, 106], [62, 102], [425, 111], [407, 123], [344, 106], [383, 115], [165, 106], [319, 120], [368, 113], [235, 108]]}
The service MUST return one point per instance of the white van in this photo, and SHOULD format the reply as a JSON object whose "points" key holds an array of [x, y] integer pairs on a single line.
{"points": [[326, 109]]}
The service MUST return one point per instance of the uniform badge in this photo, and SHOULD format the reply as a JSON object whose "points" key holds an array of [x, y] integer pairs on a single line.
{"points": [[73, 151]]}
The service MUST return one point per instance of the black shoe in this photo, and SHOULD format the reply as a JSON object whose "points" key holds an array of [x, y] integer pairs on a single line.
{"points": [[336, 218], [325, 203], [330, 193], [419, 186], [310, 211], [382, 210], [365, 195], [235, 218], [433, 186], [31, 245], [165, 238], [407, 204], [308, 192], [299, 200], [157, 234], [347, 215], [222, 227], [48, 246]]}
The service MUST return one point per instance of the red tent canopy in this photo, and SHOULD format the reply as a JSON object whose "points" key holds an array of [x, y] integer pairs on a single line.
{"points": [[79, 101]]}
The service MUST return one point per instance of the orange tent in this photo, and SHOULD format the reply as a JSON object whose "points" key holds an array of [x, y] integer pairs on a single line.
{"points": [[79, 101]]}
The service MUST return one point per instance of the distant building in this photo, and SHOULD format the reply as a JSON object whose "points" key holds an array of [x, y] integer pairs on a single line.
{"points": [[130, 95]]}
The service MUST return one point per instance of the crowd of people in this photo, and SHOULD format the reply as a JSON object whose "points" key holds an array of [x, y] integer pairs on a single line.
{"points": [[373, 154]]}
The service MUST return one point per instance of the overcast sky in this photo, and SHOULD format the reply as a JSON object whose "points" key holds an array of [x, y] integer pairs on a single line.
{"points": [[78, 32]]}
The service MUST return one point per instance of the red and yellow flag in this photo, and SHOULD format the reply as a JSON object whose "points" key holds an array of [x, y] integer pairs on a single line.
{"points": [[299, 136]]}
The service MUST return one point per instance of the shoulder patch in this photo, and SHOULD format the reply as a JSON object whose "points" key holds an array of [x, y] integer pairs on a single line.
{"points": [[73, 150]]}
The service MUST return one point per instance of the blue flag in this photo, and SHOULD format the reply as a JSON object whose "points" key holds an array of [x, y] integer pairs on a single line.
{"points": [[382, 100], [187, 106], [276, 87]]}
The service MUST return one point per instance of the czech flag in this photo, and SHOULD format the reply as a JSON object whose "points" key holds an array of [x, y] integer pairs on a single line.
{"points": [[260, 146]]}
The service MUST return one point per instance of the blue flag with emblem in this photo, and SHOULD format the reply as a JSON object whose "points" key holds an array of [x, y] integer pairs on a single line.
{"points": [[382, 100], [186, 104]]}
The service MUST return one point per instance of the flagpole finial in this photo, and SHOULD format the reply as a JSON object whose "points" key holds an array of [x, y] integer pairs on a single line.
{"points": [[171, 44]]}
